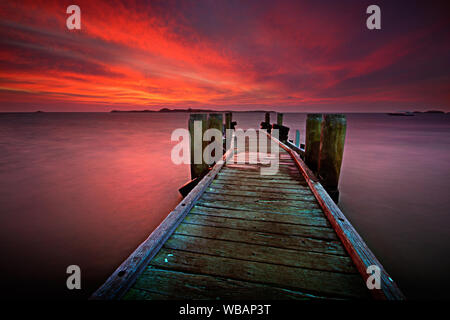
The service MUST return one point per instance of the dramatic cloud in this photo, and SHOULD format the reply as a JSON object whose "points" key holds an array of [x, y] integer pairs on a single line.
{"points": [[233, 54]]}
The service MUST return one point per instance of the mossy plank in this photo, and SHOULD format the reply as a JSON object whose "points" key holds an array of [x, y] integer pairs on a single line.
{"points": [[263, 198], [175, 285], [313, 281], [259, 253], [302, 219], [263, 238], [262, 226]]}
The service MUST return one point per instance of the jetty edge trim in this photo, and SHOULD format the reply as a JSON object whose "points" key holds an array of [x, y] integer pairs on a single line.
{"points": [[126, 274], [355, 246]]}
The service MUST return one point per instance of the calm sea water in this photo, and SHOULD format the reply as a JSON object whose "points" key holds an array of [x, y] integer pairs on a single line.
{"points": [[87, 189]]}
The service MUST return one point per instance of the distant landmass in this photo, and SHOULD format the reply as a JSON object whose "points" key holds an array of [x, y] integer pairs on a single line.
{"points": [[409, 113], [430, 111], [186, 110]]}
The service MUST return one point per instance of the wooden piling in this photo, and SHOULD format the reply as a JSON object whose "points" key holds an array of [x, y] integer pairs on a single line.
{"points": [[228, 119], [332, 141], [312, 140], [215, 121], [266, 124], [198, 165], [279, 119], [297, 138]]}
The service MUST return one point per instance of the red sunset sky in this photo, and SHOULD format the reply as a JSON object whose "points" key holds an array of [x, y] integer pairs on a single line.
{"points": [[225, 54]]}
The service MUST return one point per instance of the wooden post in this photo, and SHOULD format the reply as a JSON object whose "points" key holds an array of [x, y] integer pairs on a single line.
{"points": [[334, 127], [228, 119], [266, 124], [312, 140], [215, 121], [279, 119], [297, 138], [197, 127]]}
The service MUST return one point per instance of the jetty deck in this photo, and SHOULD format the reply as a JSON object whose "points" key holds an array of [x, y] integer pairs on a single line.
{"points": [[243, 235]]}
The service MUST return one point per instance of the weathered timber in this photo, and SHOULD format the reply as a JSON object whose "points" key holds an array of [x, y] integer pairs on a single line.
{"points": [[332, 247], [301, 219], [215, 121], [314, 281], [169, 283], [331, 152], [258, 253], [197, 127], [263, 226], [312, 140], [280, 119], [228, 119]]}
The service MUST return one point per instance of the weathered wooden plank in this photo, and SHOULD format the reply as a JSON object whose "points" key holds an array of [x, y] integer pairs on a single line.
{"points": [[263, 238], [295, 191], [313, 281], [218, 204], [303, 219], [272, 204], [145, 294], [262, 226], [258, 253], [269, 175], [278, 178], [187, 286], [262, 199], [256, 169], [256, 183]]}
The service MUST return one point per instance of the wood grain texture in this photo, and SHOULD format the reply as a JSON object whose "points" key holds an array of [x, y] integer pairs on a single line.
{"points": [[303, 219], [259, 253], [333, 247], [206, 287], [313, 281]]}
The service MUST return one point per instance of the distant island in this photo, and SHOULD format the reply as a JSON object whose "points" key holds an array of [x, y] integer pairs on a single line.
{"points": [[165, 110], [430, 111], [409, 113]]}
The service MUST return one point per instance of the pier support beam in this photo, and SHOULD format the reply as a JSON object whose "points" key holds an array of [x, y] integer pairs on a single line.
{"points": [[279, 119], [283, 131], [312, 140], [297, 138], [228, 119], [215, 121], [334, 127], [266, 124], [197, 127]]}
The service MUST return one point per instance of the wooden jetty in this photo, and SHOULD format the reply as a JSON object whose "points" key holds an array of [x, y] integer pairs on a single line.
{"points": [[242, 235]]}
